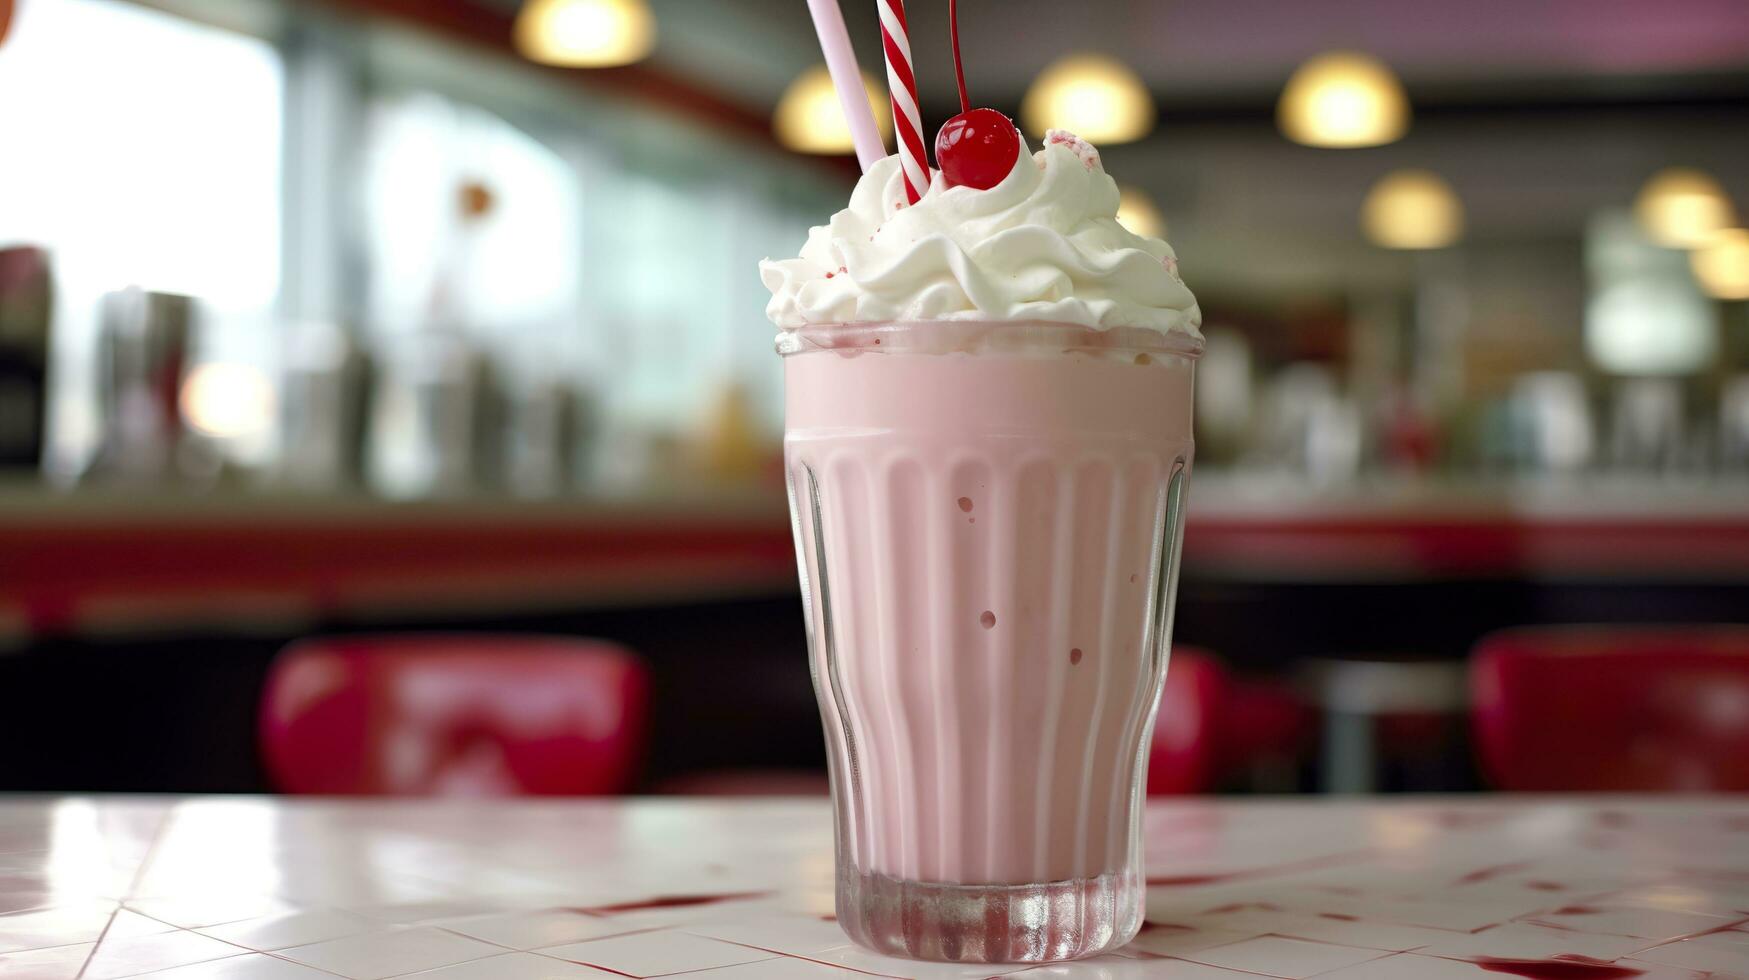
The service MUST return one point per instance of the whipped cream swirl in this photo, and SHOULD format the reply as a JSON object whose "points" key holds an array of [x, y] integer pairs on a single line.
{"points": [[1044, 244]]}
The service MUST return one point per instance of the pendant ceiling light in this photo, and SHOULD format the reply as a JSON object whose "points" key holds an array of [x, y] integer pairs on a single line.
{"points": [[585, 33], [1093, 96], [1137, 212], [1343, 99], [1412, 209], [1722, 264], [810, 119], [1680, 207]]}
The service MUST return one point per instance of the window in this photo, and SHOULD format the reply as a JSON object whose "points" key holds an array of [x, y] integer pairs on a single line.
{"points": [[469, 220], [159, 169], [140, 149]]}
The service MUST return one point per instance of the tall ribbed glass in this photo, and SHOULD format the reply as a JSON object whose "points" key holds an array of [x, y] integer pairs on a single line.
{"points": [[987, 523]]}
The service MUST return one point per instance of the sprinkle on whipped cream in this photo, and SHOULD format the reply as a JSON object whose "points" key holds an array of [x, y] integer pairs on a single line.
{"points": [[1044, 244]]}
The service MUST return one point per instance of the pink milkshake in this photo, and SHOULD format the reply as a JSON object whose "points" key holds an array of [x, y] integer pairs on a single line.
{"points": [[988, 429]]}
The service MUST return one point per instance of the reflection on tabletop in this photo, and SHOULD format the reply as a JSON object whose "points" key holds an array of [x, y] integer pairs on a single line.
{"points": [[1427, 888]]}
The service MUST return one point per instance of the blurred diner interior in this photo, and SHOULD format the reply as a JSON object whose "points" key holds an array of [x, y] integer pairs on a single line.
{"points": [[373, 369]]}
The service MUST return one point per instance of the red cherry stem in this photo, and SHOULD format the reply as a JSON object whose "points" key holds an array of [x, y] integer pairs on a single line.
{"points": [[959, 71]]}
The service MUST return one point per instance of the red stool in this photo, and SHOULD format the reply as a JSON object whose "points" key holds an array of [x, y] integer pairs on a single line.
{"points": [[1185, 747], [1266, 729], [1601, 708], [1183, 757], [451, 715]]}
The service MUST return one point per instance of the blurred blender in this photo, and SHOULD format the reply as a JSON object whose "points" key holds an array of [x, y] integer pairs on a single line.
{"points": [[26, 308], [143, 346], [328, 382], [1734, 424], [1646, 431]]}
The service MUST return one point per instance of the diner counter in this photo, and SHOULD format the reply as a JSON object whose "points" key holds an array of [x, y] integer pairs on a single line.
{"points": [[107, 561], [282, 889]]}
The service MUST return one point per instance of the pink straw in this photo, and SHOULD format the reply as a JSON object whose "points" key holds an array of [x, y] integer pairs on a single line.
{"points": [[847, 79]]}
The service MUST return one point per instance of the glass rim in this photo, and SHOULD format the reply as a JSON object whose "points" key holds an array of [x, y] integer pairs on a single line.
{"points": [[985, 336]]}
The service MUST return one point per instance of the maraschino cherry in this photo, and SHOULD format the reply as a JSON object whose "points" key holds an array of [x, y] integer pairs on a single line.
{"points": [[978, 147]]}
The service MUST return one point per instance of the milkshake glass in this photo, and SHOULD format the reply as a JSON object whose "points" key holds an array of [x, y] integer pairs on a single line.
{"points": [[987, 516]]}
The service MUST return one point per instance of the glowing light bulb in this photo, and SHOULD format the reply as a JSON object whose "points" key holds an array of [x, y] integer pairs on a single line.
{"points": [[809, 118], [1412, 209], [1095, 97], [1136, 211], [227, 401], [1680, 207], [1722, 264], [1343, 99], [585, 33]]}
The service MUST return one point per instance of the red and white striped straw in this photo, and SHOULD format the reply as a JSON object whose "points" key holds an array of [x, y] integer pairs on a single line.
{"points": [[902, 86]]}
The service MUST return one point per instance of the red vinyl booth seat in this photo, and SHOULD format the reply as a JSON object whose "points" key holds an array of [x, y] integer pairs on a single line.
{"points": [[1602, 709], [1263, 721], [447, 715], [1186, 750]]}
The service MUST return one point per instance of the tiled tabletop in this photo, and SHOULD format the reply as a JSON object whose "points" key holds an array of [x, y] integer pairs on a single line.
{"points": [[234, 888]]}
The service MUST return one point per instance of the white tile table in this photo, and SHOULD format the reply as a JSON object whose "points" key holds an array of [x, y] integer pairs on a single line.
{"points": [[276, 889]]}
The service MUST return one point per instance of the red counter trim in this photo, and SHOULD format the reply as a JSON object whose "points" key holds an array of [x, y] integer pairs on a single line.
{"points": [[110, 572]]}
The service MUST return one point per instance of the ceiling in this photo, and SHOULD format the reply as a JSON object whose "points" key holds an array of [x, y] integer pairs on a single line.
{"points": [[1237, 51], [1541, 113]]}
